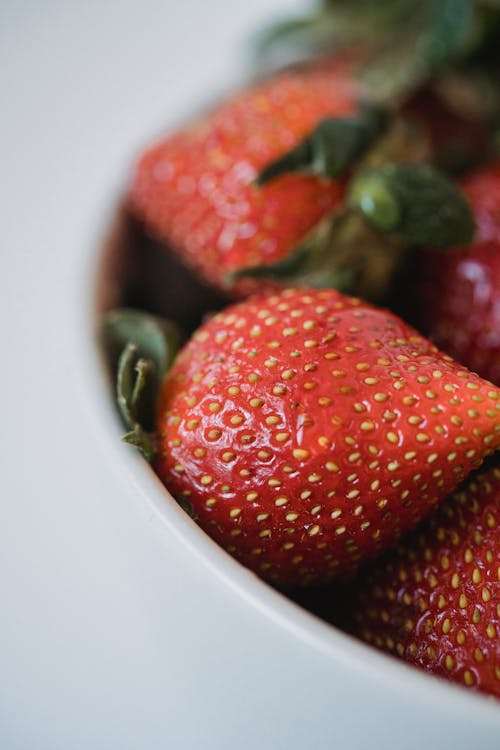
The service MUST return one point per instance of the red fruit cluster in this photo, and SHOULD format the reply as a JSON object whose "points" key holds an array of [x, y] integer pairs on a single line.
{"points": [[308, 430]]}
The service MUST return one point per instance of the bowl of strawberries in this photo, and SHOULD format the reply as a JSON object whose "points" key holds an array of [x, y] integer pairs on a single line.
{"points": [[301, 321]]}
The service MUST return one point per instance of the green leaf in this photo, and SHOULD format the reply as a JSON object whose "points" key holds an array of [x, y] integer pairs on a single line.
{"points": [[125, 377], [136, 385], [288, 268], [415, 202], [434, 34], [332, 147], [400, 43], [156, 339], [339, 25], [140, 349]]}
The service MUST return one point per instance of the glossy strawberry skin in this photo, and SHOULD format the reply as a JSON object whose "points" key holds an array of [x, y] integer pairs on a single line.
{"points": [[309, 431], [196, 192], [435, 600], [457, 293]]}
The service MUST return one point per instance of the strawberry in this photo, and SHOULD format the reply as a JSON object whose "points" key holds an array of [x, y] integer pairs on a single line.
{"points": [[196, 189], [309, 431], [435, 600], [253, 194], [456, 295]]}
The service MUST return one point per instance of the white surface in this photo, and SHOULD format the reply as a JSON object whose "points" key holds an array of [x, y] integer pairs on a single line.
{"points": [[122, 626]]}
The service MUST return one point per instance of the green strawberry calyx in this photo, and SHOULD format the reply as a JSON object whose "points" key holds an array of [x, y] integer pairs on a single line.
{"points": [[343, 252], [140, 349], [414, 201], [334, 145], [357, 249]]}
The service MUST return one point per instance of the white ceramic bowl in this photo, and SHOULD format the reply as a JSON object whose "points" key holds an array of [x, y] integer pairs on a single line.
{"points": [[272, 674], [124, 626]]}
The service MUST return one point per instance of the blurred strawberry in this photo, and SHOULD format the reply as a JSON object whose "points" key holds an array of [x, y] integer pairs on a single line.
{"points": [[456, 295], [252, 195], [435, 600], [196, 190]]}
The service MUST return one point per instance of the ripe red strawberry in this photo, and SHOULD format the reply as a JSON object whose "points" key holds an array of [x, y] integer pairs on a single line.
{"points": [[196, 189], [309, 430], [435, 601], [252, 195], [457, 293]]}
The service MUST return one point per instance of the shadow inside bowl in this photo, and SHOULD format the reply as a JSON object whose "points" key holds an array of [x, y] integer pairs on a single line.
{"points": [[139, 272]]}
